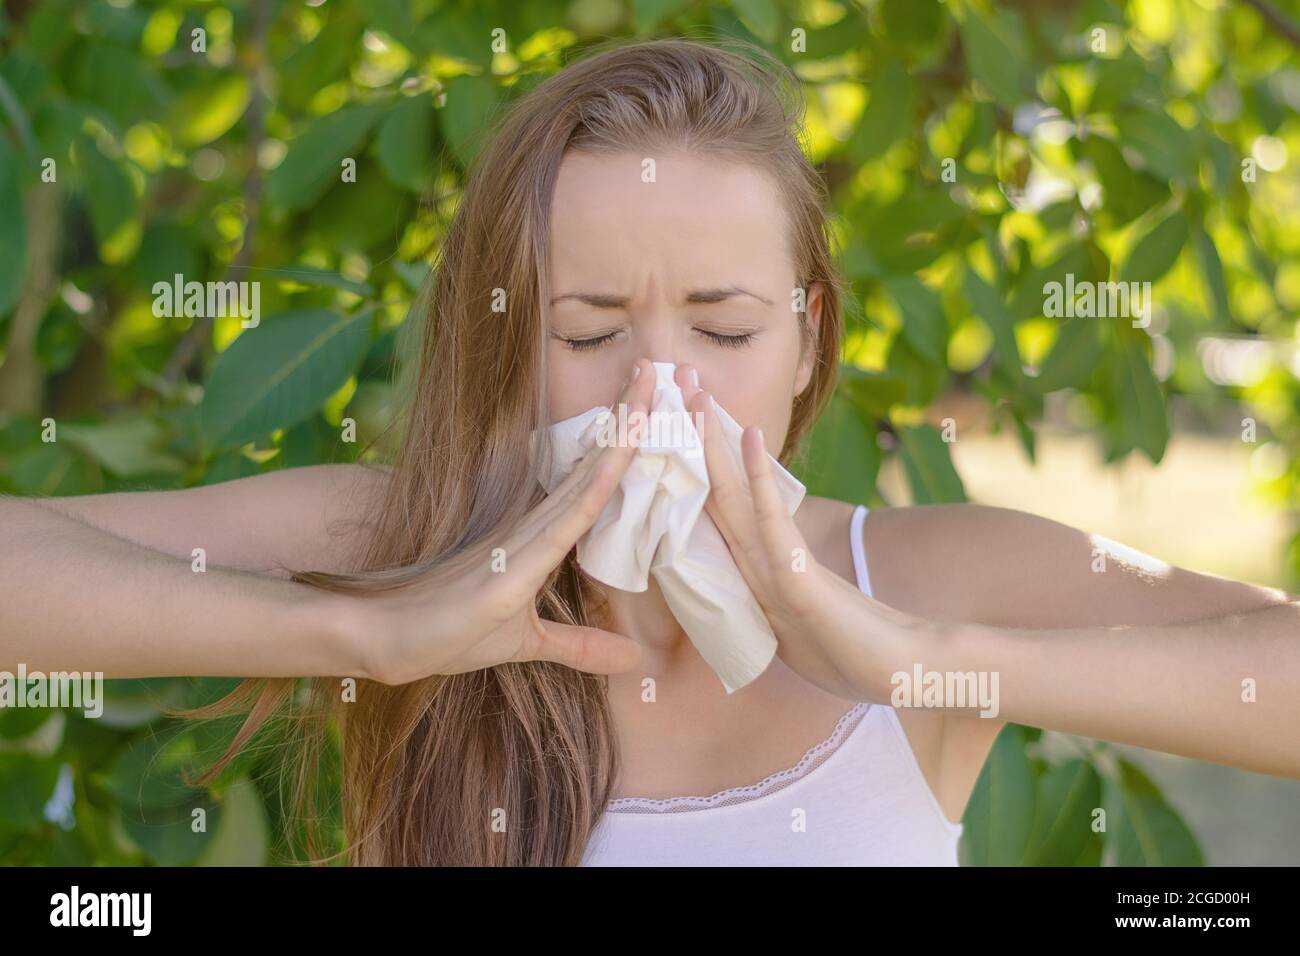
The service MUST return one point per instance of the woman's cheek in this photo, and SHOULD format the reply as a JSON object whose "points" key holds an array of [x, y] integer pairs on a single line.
{"points": [[571, 392]]}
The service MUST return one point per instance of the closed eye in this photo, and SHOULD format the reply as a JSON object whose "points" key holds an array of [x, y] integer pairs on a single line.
{"points": [[728, 341], [579, 345], [736, 341]]}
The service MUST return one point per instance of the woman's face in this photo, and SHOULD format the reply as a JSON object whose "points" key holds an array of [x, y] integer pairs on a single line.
{"points": [[692, 268]]}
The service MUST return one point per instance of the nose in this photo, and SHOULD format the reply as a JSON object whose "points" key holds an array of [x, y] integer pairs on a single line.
{"points": [[657, 340]]}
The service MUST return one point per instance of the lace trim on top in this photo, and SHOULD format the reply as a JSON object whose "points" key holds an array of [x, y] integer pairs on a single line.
{"points": [[810, 761]]}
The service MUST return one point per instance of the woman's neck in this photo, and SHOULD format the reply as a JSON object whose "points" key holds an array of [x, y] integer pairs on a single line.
{"points": [[643, 616], [667, 654]]}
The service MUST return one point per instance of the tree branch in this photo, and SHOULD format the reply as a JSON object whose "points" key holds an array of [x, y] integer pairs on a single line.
{"points": [[1277, 20]]}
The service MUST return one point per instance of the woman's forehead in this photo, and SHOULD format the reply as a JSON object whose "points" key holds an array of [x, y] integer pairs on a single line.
{"points": [[615, 216]]}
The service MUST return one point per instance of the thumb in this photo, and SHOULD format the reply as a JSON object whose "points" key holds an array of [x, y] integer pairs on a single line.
{"points": [[586, 648]]}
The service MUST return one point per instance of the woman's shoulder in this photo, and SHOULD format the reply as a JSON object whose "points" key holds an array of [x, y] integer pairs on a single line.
{"points": [[933, 560], [824, 524]]}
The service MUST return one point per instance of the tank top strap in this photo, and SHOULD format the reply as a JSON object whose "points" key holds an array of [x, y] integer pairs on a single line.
{"points": [[859, 551]]}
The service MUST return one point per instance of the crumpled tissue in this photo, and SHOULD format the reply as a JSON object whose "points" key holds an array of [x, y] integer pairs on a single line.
{"points": [[655, 525]]}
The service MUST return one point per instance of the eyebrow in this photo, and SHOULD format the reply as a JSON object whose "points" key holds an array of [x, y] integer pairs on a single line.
{"points": [[601, 300]]}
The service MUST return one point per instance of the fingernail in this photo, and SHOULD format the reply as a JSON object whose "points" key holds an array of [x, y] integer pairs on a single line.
{"points": [[636, 371], [695, 378]]}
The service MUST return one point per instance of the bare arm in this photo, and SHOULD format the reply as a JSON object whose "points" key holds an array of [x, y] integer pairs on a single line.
{"points": [[301, 518], [1141, 652], [108, 583], [1223, 689], [76, 596]]}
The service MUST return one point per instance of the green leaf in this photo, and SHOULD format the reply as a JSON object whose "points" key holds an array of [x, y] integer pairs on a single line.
{"points": [[275, 375], [310, 442], [108, 190], [167, 833], [167, 249], [315, 156], [119, 81], [922, 379], [1157, 251], [1117, 80], [19, 722], [25, 785], [355, 217], [1073, 358], [394, 17], [406, 141], [1025, 432], [987, 303], [930, 472], [647, 14], [11, 103], [843, 36], [49, 470], [909, 22], [229, 466], [471, 101], [999, 818], [1211, 273], [1068, 795], [129, 446], [1143, 422], [1126, 194], [460, 31], [129, 704], [888, 115], [1030, 297], [311, 275], [1151, 832], [13, 229], [924, 325], [325, 59], [876, 393], [208, 112], [760, 17], [153, 771], [995, 50], [908, 234], [243, 831], [1166, 148], [843, 458]]}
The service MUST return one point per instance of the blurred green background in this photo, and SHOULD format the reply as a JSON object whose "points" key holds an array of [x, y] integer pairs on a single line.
{"points": [[974, 151]]}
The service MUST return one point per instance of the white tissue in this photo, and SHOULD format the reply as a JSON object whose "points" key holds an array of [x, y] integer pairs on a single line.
{"points": [[655, 524]]}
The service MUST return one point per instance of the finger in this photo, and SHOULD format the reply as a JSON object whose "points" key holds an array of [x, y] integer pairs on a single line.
{"points": [[733, 510], [586, 649], [775, 526], [558, 525], [687, 378], [635, 396]]}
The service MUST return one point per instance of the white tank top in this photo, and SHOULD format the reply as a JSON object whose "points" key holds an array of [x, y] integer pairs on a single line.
{"points": [[858, 798]]}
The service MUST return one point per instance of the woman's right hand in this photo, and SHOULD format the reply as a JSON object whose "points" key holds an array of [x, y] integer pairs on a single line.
{"points": [[470, 616]]}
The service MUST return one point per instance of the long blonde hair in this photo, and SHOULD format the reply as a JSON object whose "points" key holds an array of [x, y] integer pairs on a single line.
{"points": [[428, 767]]}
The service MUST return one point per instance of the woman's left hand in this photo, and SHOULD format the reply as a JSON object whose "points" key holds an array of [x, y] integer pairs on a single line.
{"points": [[827, 630]]}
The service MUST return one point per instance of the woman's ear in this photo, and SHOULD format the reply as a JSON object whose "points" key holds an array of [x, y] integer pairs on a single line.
{"points": [[810, 340]]}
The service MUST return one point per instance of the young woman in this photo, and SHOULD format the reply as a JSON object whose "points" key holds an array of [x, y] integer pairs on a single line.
{"points": [[651, 203]]}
